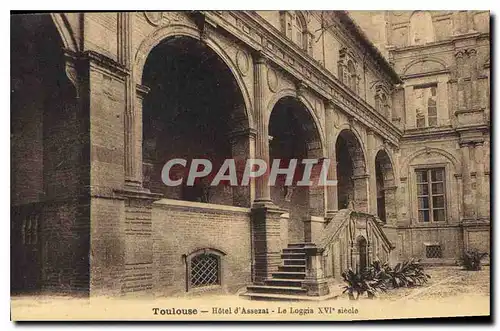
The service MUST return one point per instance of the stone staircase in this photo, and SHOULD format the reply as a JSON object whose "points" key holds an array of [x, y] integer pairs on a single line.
{"points": [[286, 284]]}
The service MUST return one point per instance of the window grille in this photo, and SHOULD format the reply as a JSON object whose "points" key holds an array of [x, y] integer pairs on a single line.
{"points": [[205, 270], [433, 251]]}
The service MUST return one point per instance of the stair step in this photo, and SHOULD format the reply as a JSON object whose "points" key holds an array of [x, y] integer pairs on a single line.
{"points": [[276, 289], [293, 250], [294, 245], [285, 297], [293, 256], [284, 282], [294, 262], [292, 268], [289, 275]]}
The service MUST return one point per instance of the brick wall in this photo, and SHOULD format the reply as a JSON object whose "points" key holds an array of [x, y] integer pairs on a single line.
{"points": [[49, 167], [182, 227]]}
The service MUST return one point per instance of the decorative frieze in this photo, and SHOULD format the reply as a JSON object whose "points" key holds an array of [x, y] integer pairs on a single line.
{"points": [[286, 54]]}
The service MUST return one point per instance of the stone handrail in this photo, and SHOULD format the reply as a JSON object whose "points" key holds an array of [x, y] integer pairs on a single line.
{"points": [[333, 228]]}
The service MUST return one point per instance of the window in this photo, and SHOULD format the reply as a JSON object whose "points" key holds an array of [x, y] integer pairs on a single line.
{"points": [[294, 26], [299, 32], [431, 195], [205, 270], [347, 71], [426, 106], [433, 251]]}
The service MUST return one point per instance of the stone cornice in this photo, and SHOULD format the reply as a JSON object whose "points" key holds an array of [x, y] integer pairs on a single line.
{"points": [[104, 63], [263, 38], [426, 74], [450, 41], [442, 132], [429, 133]]}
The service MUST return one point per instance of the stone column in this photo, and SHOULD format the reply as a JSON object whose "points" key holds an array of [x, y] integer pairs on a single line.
{"points": [[265, 215], [331, 191], [241, 142], [473, 78], [133, 152], [361, 183], [390, 205], [468, 208], [262, 190], [481, 203], [372, 179], [133, 138]]}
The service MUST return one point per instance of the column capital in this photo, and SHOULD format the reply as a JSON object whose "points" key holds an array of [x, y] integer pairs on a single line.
{"points": [[363, 176], [301, 87], [248, 132], [142, 90], [390, 188], [329, 104], [259, 57]]}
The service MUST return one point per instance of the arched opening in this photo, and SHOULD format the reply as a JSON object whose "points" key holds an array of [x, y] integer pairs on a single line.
{"points": [[293, 135], [351, 172], [385, 185], [362, 253], [194, 110], [47, 162]]}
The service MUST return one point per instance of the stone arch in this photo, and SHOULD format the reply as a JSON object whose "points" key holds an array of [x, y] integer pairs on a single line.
{"points": [[352, 187], [65, 31], [362, 253], [385, 179], [349, 127], [194, 109], [294, 135], [165, 32], [388, 165], [454, 162], [438, 65], [289, 92]]}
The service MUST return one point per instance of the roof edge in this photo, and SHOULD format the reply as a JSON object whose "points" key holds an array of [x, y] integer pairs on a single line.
{"points": [[379, 57]]}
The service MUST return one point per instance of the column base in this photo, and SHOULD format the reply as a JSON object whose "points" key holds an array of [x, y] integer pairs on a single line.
{"points": [[266, 226], [316, 287]]}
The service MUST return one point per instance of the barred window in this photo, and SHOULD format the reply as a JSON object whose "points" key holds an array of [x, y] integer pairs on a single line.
{"points": [[433, 251], [431, 195], [205, 270]]}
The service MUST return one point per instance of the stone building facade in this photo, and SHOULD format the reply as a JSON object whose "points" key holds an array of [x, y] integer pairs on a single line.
{"points": [[443, 57], [100, 101]]}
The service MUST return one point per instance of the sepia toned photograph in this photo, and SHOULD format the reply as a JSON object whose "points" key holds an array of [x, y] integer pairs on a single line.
{"points": [[293, 165]]}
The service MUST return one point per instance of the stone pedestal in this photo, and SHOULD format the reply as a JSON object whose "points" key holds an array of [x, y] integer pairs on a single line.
{"points": [[266, 239], [315, 282]]}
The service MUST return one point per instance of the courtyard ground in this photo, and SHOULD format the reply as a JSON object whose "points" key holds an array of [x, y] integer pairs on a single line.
{"points": [[446, 282], [450, 292]]}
